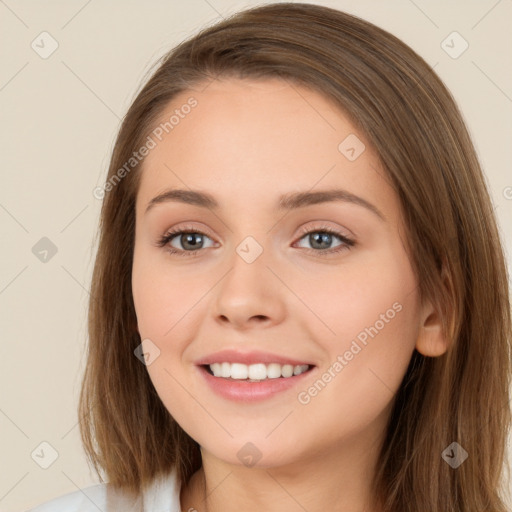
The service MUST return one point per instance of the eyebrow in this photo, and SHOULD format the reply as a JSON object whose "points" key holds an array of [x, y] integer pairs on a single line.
{"points": [[292, 201]]}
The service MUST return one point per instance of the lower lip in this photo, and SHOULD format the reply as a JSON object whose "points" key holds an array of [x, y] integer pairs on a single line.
{"points": [[245, 391]]}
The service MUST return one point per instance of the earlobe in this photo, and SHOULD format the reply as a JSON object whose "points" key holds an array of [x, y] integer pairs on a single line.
{"points": [[431, 341], [135, 327], [435, 338]]}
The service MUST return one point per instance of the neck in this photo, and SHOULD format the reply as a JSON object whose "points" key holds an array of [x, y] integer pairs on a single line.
{"points": [[337, 479]]}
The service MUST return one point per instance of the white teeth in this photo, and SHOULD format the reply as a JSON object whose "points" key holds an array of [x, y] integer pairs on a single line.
{"points": [[239, 371], [297, 370], [256, 372], [225, 370], [216, 369], [273, 371], [287, 370]]}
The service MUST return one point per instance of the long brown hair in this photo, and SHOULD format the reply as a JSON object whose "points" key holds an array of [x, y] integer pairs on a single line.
{"points": [[406, 112]]}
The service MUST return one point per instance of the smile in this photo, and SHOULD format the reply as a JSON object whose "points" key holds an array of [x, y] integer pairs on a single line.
{"points": [[241, 386], [255, 372]]}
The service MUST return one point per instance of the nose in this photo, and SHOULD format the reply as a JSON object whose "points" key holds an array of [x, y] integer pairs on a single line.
{"points": [[250, 295]]}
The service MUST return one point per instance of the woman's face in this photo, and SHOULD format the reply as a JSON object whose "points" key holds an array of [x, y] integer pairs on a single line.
{"points": [[266, 280]]}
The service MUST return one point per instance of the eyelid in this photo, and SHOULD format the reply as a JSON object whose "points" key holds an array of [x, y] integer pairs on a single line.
{"points": [[190, 228], [306, 229]]}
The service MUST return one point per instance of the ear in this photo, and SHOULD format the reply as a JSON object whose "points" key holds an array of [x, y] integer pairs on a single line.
{"points": [[135, 326], [431, 340]]}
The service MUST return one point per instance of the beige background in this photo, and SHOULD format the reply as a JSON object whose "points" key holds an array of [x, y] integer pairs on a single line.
{"points": [[59, 119]]}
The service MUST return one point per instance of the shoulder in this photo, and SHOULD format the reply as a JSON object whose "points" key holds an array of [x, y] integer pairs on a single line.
{"points": [[163, 494], [89, 499]]}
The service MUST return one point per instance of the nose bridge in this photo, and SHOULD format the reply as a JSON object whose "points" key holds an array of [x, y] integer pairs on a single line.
{"points": [[249, 265], [251, 237], [249, 288]]}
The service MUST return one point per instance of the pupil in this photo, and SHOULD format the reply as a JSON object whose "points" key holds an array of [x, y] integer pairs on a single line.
{"points": [[319, 238], [190, 236]]}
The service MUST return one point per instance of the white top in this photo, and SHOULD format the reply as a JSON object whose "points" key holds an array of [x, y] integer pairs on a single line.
{"points": [[162, 496]]}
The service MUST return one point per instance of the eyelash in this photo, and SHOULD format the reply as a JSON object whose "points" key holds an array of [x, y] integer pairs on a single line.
{"points": [[348, 243]]}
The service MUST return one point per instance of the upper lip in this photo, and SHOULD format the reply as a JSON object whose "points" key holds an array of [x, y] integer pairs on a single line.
{"points": [[253, 357]]}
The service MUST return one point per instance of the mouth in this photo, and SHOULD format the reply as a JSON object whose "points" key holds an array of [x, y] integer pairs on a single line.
{"points": [[259, 372], [252, 376], [253, 383]]}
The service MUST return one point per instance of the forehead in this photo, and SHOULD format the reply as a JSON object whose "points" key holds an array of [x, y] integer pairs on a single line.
{"points": [[258, 140]]}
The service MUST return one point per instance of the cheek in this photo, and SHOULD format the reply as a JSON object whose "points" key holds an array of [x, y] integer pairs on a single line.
{"points": [[376, 289], [164, 303], [371, 311], [366, 365], [163, 295]]}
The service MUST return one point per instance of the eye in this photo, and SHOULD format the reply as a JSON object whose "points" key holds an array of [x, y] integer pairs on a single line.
{"points": [[191, 240], [321, 236], [188, 237]]}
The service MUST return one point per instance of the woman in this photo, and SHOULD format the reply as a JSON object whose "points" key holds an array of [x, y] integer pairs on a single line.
{"points": [[230, 366]]}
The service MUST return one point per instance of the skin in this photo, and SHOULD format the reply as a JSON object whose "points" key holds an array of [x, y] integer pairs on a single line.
{"points": [[246, 143]]}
